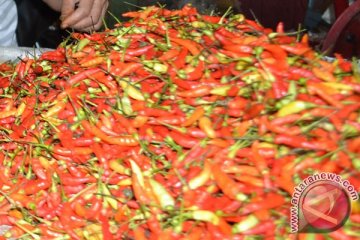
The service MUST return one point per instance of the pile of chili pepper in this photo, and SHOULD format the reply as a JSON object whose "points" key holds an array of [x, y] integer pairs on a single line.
{"points": [[173, 125]]}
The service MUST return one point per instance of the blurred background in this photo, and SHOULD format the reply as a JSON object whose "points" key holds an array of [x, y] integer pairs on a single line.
{"points": [[323, 20]]}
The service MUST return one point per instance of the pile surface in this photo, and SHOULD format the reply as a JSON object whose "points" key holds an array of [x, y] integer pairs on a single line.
{"points": [[173, 125]]}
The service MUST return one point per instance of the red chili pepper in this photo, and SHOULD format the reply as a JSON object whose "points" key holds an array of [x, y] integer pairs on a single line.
{"points": [[122, 140], [171, 119], [340, 234], [279, 54], [230, 188], [38, 169], [56, 55], [355, 218], [184, 83], [326, 97], [200, 91], [183, 140], [297, 72], [224, 40], [286, 119], [89, 209], [71, 152], [34, 186], [49, 233], [261, 229], [280, 28], [197, 72], [82, 75], [153, 112], [271, 201], [170, 54], [293, 130], [239, 48], [192, 46], [298, 142], [134, 52], [220, 116], [100, 155], [69, 180], [69, 220], [180, 61], [125, 69], [69, 190], [211, 19], [296, 49], [344, 112], [195, 152], [252, 111]]}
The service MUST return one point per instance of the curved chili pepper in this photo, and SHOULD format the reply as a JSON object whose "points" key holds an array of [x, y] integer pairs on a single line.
{"points": [[197, 72], [205, 124], [201, 178], [122, 141], [180, 61], [69, 180], [34, 186], [183, 140], [170, 54], [82, 75], [188, 44], [260, 229], [226, 184], [138, 184], [199, 91]]}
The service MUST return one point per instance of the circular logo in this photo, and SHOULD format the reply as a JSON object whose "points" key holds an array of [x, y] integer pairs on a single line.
{"points": [[325, 206]]}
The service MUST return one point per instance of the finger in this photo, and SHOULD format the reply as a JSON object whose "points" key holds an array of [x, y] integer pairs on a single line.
{"points": [[94, 20], [84, 9], [84, 27], [93, 23], [67, 8], [93, 27]]}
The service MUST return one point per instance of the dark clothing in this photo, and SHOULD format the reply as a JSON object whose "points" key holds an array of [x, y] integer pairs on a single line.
{"points": [[37, 25], [270, 12]]}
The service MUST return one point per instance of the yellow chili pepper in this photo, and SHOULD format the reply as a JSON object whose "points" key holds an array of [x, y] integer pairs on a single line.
{"points": [[60, 105], [294, 107], [201, 178], [162, 195], [324, 75], [246, 224], [115, 165], [204, 215], [132, 91]]}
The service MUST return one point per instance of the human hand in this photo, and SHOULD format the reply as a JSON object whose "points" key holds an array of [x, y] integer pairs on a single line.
{"points": [[86, 16]]}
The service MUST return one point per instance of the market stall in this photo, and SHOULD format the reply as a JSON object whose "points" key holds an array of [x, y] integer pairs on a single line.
{"points": [[176, 125]]}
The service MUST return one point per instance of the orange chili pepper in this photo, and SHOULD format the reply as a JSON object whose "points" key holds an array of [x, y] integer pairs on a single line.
{"points": [[205, 124], [196, 115]]}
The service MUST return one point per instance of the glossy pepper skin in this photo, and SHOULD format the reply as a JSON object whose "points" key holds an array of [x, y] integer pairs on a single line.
{"points": [[173, 125]]}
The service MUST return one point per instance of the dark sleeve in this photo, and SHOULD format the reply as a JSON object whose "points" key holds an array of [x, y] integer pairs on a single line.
{"points": [[37, 24]]}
